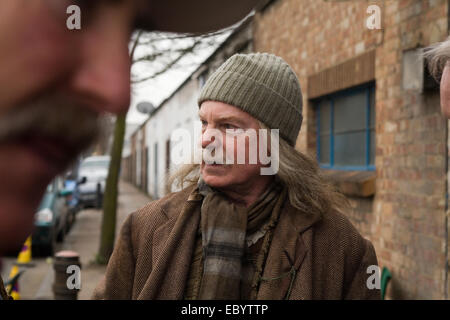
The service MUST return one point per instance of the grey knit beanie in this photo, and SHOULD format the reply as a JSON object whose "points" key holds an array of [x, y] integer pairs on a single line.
{"points": [[264, 86]]}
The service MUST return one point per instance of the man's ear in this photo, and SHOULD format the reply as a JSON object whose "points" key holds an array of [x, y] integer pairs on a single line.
{"points": [[445, 92]]}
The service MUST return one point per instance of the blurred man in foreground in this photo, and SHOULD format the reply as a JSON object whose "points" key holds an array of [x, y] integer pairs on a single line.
{"points": [[55, 83], [238, 230]]}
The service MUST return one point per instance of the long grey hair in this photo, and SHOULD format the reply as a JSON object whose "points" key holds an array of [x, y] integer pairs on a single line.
{"points": [[308, 191]]}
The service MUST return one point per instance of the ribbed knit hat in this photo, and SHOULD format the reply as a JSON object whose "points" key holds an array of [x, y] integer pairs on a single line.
{"points": [[264, 86]]}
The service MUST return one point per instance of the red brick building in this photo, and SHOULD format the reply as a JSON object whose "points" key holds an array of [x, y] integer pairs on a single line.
{"points": [[372, 119]]}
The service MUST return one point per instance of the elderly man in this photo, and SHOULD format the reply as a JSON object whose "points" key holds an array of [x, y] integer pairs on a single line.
{"points": [[235, 233], [56, 82]]}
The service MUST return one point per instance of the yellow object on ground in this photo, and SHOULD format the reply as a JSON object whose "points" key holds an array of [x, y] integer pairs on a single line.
{"points": [[24, 258], [25, 254], [14, 291]]}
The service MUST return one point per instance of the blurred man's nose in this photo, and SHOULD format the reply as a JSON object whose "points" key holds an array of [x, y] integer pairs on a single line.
{"points": [[103, 75]]}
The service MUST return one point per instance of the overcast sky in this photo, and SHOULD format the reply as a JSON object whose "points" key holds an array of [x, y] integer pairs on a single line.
{"points": [[157, 90]]}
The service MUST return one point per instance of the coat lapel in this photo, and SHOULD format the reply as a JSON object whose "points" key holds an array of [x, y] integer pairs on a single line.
{"points": [[172, 247], [287, 259]]}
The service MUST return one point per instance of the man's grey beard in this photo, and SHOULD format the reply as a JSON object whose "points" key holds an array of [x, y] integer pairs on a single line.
{"points": [[55, 116]]}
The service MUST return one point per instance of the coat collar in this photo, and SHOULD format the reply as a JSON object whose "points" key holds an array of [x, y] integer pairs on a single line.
{"points": [[290, 244]]}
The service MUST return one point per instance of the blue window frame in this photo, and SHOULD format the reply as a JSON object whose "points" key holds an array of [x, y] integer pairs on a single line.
{"points": [[346, 129]]}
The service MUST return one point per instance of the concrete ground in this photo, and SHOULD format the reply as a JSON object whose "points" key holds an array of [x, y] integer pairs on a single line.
{"points": [[84, 238]]}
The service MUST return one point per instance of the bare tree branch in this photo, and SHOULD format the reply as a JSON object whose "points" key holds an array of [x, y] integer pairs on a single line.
{"points": [[154, 37], [170, 64], [163, 51]]}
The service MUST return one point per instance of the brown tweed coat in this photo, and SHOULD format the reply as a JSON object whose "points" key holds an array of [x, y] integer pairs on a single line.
{"points": [[153, 253]]}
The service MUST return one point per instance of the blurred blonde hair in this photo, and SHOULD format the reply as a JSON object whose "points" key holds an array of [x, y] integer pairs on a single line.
{"points": [[307, 189]]}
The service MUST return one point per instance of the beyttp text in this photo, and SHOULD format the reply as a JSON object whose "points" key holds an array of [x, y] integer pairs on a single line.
{"points": [[235, 309]]}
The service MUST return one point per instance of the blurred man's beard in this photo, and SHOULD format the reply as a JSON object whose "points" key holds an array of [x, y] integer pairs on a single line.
{"points": [[38, 140], [59, 118]]}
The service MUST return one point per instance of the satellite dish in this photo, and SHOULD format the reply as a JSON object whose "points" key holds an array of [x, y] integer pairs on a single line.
{"points": [[145, 107]]}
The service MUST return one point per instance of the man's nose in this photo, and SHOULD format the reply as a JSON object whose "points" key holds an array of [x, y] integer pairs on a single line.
{"points": [[206, 139], [210, 138], [103, 75]]}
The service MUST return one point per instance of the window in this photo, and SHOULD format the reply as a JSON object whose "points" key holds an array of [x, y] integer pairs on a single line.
{"points": [[155, 181], [202, 78], [346, 129], [168, 156]]}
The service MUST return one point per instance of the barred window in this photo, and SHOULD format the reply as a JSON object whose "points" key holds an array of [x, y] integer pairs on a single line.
{"points": [[346, 129]]}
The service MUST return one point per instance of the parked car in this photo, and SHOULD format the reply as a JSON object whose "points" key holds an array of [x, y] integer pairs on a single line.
{"points": [[92, 175], [51, 218], [71, 183], [72, 202]]}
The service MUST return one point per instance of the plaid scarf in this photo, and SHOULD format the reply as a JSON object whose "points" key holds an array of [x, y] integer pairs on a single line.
{"points": [[224, 227]]}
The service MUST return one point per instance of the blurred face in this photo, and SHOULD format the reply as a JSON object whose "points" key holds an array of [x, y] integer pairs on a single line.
{"points": [[218, 117], [445, 92], [54, 84]]}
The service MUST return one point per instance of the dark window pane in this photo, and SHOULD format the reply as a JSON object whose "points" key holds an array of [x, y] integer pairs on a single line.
{"points": [[324, 150], [350, 112], [372, 107], [324, 108], [350, 149], [372, 148]]}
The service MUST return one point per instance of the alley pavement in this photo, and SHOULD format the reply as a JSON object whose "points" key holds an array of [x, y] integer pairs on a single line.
{"points": [[84, 238]]}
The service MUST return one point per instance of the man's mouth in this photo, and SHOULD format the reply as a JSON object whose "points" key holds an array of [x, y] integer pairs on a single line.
{"points": [[214, 165], [55, 152], [213, 162]]}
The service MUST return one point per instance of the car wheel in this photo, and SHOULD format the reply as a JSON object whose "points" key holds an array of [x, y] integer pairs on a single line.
{"points": [[48, 250], [99, 202], [61, 234], [36, 251], [71, 220]]}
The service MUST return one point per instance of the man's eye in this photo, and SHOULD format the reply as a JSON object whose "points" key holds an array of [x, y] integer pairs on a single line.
{"points": [[229, 126], [235, 131]]}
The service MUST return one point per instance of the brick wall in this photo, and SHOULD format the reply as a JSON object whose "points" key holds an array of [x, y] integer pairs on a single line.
{"points": [[405, 219]]}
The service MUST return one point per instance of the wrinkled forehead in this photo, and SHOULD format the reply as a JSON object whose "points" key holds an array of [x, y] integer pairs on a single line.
{"points": [[222, 111], [219, 108]]}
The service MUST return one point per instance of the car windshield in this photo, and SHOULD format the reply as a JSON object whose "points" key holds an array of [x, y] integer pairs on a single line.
{"points": [[95, 164]]}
